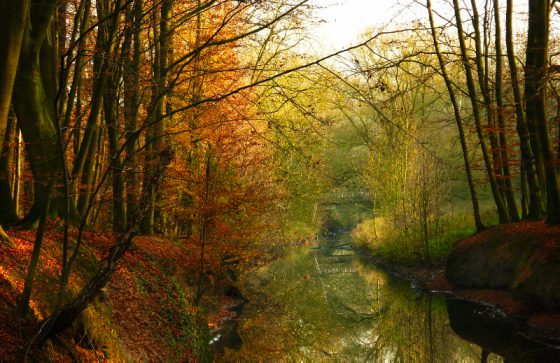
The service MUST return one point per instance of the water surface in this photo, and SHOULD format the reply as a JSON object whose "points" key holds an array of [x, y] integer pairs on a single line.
{"points": [[325, 304]]}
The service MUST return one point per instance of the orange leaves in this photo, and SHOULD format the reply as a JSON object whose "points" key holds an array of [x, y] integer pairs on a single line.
{"points": [[221, 180]]}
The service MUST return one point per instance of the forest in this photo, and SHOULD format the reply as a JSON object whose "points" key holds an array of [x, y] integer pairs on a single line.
{"points": [[163, 162]]}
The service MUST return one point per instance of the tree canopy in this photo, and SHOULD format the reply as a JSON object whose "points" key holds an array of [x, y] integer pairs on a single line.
{"points": [[215, 124]]}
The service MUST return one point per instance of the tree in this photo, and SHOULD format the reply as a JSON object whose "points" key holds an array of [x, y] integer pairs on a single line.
{"points": [[12, 25], [536, 74], [473, 96], [35, 92], [65, 85], [505, 172], [527, 155], [458, 120]]}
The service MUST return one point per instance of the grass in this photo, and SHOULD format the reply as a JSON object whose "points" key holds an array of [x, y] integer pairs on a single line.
{"points": [[391, 241]]}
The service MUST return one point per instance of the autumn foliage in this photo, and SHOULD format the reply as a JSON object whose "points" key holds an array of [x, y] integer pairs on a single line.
{"points": [[137, 117]]}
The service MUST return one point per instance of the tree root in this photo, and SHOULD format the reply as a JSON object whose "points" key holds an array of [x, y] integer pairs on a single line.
{"points": [[5, 239]]}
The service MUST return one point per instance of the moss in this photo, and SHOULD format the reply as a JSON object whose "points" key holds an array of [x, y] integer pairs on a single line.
{"points": [[99, 334], [194, 333], [187, 334]]}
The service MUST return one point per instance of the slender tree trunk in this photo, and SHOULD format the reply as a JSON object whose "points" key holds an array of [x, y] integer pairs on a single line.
{"points": [[23, 303], [82, 20], [535, 210], [536, 69], [481, 61], [205, 219], [131, 77], [500, 206], [147, 225], [8, 213], [508, 185], [524, 193], [10, 149], [111, 117], [458, 120], [94, 214], [111, 102], [195, 92], [62, 318], [16, 184], [161, 60], [89, 170], [105, 47]]}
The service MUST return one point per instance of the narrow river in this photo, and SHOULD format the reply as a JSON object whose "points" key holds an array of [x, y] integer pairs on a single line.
{"points": [[324, 304]]}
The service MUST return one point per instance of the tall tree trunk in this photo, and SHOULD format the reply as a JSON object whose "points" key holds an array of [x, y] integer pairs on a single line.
{"points": [[458, 120], [205, 220], [535, 210], [131, 78], [507, 182], [81, 21], [111, 116], [500, 205], [156, 118], [111, 103], [105, 47], [481, 61], [34, 102], [13, 18], [89, 171], [536, 69]]}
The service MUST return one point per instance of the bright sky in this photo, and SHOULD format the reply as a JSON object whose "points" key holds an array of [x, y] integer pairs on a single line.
{"points": [[345, 20]]}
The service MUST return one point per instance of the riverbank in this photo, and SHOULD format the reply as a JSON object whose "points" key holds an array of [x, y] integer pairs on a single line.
{"points": [[425, 276], [513, 267], [505, 268], [144, 314]]}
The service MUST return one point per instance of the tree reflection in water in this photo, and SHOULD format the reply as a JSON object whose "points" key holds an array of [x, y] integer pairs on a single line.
{"points": [[324, 305]]}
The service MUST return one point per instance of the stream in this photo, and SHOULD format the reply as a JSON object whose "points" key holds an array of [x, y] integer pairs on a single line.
{"points": [[323, 303]]}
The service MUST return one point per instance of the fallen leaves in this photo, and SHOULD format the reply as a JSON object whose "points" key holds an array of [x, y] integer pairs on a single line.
{"points": [[147, 309]]}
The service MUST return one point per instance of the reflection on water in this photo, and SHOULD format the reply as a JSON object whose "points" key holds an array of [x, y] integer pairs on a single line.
{"points": [[511, 338], [324, 305]]}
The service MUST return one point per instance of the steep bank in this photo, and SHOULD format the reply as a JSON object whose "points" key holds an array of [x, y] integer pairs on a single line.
{"points": [[502, 308], [521, 258], [514, 268], [143, 315]]}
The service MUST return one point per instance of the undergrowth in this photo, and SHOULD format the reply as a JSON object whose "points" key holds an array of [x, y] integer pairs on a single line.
{"points": [[406, 245], [142, 315]]}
